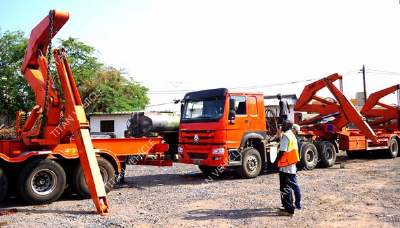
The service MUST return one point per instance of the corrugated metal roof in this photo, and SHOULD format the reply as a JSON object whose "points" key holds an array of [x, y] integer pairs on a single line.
{"points": [[126, 113], [272, 100]]}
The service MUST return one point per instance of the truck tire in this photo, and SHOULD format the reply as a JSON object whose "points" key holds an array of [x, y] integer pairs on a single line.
{"points": [[41, 181], [3, 185], [398, 142], [308, 156], [393, 150], [207, 169], [107, 172], [326, 154], [251, 163]]}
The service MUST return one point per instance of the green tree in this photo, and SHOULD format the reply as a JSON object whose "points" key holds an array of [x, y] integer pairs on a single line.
{"points": [[102, 88], [81, 59], [115, 92], [16, 93]]}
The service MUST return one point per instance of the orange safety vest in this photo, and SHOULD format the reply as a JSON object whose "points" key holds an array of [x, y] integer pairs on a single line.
{"points": [[291, 156]]}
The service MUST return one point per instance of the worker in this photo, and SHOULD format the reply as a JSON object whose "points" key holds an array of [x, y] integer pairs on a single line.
{"points": [[295, 130], [295, 186], [121, 176], [127, 134], [284, 108], [286, 161]]}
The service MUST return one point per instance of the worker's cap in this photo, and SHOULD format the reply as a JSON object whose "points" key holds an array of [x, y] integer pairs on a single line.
{"points": [[279, 95], [296, 127], [287, 125]]}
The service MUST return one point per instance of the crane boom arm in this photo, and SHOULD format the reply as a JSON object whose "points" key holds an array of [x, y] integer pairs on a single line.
{"points": [[347, 112], [74, 123]]}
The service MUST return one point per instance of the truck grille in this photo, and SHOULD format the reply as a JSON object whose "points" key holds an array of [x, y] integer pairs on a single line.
{"points": [[197, 155], [206, 137]]}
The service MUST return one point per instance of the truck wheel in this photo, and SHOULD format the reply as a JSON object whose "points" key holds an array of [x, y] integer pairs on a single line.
{"points": [[308, 156], [251, 165], [107, 172], [41, 181], [326, 154], [207, 169], [3, 185], [393, 150]]}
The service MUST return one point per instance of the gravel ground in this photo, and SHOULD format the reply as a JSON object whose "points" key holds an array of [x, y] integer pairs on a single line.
{"points": [[366, 193]]}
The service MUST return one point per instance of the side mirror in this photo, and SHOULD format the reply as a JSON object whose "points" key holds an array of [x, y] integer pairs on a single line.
{"points": [[182, 108], [232, 112]]}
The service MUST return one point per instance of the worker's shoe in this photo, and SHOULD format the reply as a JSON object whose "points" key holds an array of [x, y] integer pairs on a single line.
{"points": [[284, 213], [281, 208]]}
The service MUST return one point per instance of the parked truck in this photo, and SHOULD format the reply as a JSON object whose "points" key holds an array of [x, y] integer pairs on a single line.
{"points": [[53, 150], [375, 128], [223, 128]]}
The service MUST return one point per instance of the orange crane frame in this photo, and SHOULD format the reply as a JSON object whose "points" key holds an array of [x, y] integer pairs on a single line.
{"points": [[34, 69], [375, 134], [54, 140]]}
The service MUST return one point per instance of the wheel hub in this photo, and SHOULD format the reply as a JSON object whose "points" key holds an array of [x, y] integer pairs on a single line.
{"points": [[310, 156], [40, 181], [44, 182], [252, 163]]}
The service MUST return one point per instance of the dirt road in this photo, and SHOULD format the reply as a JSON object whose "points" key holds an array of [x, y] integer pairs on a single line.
{"points": [[366, 193]]}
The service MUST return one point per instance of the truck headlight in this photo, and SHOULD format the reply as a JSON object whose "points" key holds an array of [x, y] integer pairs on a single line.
{"points": [[218, 150], [180, 149]]}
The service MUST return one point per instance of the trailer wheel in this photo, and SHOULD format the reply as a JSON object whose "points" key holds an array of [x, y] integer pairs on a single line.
{"points": [[107, 172], [398, 142], [3, 185], [251, 165], [207, 169], [326, 154], [393, 150], [42, 181], [308, 156]]}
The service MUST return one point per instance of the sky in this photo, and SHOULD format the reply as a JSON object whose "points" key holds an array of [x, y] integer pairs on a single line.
{"points": [[176, 46]]}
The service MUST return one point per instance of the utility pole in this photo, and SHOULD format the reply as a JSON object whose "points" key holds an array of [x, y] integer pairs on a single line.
{"points": [[365, 90]]}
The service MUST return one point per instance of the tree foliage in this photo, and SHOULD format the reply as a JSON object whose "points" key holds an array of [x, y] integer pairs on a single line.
{"points": [[115, 92], [102, 88], [16, 93]]}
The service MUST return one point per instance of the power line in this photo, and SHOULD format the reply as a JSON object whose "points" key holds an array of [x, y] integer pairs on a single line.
{"points": [[372, 71], [246, 87], [277, 84]]}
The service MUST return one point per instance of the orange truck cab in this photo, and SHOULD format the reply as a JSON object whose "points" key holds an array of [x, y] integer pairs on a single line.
{"points": [[222, 128]]}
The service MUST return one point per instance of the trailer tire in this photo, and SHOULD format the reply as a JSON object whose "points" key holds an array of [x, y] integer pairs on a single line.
{"points": [[207, 169], [251, 164], [308, 156], [326, 154], [41, 181], [398, 142], [3, 185], [393, 150], [107, 173]]}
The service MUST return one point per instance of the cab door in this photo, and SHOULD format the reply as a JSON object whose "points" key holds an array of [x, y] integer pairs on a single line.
{"points": [[241, 124]]}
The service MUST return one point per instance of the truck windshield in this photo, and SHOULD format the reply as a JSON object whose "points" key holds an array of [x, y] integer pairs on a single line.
{"points": [[203, 110]]}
